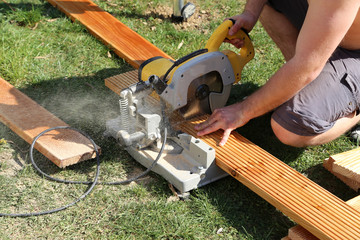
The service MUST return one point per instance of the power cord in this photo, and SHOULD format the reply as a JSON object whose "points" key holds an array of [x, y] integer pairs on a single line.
{"points": [[92, 184]]}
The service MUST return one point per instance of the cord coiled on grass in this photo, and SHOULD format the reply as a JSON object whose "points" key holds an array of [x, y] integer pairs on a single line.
{"points": [[92, 183]]}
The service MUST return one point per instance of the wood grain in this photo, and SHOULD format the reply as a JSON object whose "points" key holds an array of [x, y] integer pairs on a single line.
{"points": [[28, 119], [354, 202], [347, 164], [125, 42], [317, 210], [299, 233], [353, 184]]}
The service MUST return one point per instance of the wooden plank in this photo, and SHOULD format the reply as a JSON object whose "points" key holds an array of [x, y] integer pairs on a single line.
{"points": [[347, 164], [305, 202], [354, 202], [328, 164], [121, 39], [320, 212], [117, 83], [300, 233], [28, 119]]}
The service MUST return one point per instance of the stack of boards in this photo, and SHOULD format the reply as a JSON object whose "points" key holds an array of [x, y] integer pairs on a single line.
{"points": [[346, 166]]}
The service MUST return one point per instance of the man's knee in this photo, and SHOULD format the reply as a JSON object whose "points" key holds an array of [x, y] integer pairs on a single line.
{"points": [[287, 137]]}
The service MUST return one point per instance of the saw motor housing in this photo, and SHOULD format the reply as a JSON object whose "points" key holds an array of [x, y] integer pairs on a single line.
{"points": [[205, 79], [199, 82]]}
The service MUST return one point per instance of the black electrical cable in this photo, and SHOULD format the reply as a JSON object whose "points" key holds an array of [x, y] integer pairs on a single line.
{"points": [[93, 183]]}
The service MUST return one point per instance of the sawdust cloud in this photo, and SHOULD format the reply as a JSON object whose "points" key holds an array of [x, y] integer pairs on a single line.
{"points": [[88, 110]]}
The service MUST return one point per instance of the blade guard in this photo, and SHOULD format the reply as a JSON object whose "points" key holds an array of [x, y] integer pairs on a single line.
{"points": [[246, 53]]}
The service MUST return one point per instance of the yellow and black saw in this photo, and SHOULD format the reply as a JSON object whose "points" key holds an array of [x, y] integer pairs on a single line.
{"points": [[201, 81], [196, 84]]}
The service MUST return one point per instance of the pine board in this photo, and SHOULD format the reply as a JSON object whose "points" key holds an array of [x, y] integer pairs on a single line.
{"points": [[299, 233], [329, 164], [317, 210], [354, 202], [28, 119], [125, 42], [347, 164]]}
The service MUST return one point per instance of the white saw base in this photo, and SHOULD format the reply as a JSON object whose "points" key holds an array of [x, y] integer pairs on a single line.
{"points": [[183, 173]]}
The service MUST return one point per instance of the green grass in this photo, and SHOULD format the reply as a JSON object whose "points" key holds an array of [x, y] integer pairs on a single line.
{"points": [[62, 67]]}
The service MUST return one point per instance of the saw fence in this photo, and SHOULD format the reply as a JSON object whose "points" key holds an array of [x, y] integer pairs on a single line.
{"points": [[319, 213]]}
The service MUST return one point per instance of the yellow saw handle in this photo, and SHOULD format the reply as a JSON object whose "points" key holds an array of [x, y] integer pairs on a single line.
{"points": [[246, 52]]}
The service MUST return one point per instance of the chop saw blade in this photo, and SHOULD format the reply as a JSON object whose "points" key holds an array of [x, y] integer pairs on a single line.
{"points": [[199, 95]]}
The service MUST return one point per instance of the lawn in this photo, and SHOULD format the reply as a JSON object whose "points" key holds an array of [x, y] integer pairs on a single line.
{"points": [[62, 67]]}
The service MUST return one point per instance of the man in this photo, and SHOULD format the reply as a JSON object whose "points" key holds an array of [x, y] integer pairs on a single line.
{"points": [[315, 95]]}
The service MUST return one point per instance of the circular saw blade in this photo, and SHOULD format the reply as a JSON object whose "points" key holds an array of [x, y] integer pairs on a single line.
{"points": [[199, 93]]}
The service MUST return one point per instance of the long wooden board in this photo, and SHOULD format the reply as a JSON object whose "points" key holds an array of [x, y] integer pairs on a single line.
{"points": [[121, 39], [311, 206], [28, 119]]}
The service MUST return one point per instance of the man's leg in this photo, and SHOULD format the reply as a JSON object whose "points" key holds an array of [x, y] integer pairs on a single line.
{"points": [[324, 109], [341, 126], [284, 32], [281, 30]]}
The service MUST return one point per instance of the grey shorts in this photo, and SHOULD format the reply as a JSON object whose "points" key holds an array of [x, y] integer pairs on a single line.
{"points": [[335, 93], [294, 10]]}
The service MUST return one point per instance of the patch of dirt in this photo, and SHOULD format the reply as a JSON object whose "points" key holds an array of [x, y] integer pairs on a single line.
{"points": [[199, 19], [136, 172], [10, 165], [11, 157]]}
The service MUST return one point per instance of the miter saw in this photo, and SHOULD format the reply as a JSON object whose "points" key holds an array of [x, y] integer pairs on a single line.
{"points": [[196, 84]]}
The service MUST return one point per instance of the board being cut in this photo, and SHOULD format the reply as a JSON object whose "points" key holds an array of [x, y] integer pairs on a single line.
{"points": [[125, 42], [321, 213], [28, 119]]}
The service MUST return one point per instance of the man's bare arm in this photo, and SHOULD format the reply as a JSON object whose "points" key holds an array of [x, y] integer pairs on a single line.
{"points": [[325, 26], [255, 7]]}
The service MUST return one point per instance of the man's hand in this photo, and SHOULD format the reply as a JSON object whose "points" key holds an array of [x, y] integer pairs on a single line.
{"points": [[246, 20], [226, 118]]}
